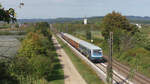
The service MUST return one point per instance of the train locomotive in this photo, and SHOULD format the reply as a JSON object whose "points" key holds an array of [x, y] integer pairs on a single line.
{"points": [[92, 52]]}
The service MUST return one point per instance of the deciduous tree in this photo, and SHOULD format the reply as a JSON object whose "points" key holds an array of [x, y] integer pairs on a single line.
{"points": [[7, 15], [115, 22]]}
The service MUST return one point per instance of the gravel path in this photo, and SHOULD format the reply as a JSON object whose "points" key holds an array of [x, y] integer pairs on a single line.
{"points": [[71, 75]]}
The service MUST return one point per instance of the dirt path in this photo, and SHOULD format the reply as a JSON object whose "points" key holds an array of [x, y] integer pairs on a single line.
{"points": [[72, 76]]}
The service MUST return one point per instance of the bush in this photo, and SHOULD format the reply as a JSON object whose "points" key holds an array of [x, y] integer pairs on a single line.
{"points": [[5, 75], [35, 58], [135, 59]]}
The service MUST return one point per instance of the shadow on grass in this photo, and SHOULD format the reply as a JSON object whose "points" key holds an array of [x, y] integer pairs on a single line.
{"points": [[57, 73]]}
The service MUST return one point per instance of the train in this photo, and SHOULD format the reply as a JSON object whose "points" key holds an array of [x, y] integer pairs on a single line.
{"points": [[91, 51]]}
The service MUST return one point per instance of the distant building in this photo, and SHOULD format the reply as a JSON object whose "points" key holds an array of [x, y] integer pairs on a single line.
{"points": [[139, 25], [85, 21]]}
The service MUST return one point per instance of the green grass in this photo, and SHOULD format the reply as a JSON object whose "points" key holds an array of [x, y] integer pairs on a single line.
{"points": [[11, 33], [57, 76], [95, 34], [127, 58], [86, 71]]}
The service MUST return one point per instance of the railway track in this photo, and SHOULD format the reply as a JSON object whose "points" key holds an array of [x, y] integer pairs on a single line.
{"points": [[124, 71], [118, 79]]}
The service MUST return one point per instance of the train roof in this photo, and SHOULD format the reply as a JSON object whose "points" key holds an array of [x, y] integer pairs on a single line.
{"points": [[82, 42], [73, 38], [89, 45]]}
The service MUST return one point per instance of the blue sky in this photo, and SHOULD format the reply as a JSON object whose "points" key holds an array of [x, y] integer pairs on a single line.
{"points": [[77, 8]]}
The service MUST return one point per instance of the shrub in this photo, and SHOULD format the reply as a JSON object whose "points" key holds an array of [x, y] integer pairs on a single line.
{"points": [[35, 58]]}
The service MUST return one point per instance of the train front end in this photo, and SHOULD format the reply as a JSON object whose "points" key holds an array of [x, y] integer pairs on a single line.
{"points": [[96, 55]]}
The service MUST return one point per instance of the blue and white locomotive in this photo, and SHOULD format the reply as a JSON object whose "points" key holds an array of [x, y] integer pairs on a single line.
{"points": [[93, 52]]}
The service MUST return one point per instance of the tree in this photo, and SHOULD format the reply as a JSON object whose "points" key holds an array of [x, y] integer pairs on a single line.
{"points": [[7, 15], [43, 27], [141, 39], [119, 25], [34, 59], [114, 21]]}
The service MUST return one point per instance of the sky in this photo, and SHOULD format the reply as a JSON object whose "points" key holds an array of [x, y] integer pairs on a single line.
{"points": [[76, 8]]}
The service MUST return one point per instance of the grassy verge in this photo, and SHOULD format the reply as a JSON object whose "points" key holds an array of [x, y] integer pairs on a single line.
{"points": [[127, 57], [57, 76], [86, 71], [11, 33]]}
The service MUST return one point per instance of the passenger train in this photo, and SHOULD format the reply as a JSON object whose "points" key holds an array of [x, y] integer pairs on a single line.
{"points": [[94, 53]]}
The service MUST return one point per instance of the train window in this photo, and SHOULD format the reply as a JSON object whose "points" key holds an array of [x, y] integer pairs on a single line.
{"points": [[97, 52]]}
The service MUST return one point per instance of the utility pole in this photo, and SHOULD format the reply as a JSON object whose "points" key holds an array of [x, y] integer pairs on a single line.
{"points": [[66, 28], [109, 67], [91, 27]]}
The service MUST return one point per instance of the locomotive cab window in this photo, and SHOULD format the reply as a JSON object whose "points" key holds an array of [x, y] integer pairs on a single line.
{"points": [[97, 52]]}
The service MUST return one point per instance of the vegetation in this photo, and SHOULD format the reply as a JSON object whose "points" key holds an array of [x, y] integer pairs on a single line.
{"points": [[11, 33], [7, 15], [115, 22], [86, 71], [36, 61], [131, 44], [88, 35]]}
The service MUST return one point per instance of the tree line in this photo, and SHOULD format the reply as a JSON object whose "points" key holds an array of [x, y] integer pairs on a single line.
{"points": [[35, 59], [131, 44]]}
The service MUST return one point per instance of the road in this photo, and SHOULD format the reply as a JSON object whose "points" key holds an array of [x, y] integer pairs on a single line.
{"points": [[71, 74], [8, 46]]}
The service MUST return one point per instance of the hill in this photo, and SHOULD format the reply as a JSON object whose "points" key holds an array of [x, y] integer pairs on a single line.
{"points": [[132, 19]]}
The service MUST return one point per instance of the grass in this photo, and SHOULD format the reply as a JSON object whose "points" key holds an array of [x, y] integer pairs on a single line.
{"points": [[95, 34], [86, 71], [11, 33], [57, 76], [54, 77], [127, 58]]}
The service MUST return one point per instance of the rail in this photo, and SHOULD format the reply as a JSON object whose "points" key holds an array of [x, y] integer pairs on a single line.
{"points": [[101, 73]]}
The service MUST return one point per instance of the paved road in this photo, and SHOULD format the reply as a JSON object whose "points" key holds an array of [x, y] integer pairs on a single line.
{"points": [[8, 46], [72, 76]]}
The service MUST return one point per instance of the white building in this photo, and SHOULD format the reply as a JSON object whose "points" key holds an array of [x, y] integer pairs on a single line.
{"points": [[139, 25], [85, 21]]}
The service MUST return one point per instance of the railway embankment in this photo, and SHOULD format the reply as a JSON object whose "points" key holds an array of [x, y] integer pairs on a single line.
{"points": [[84, 69], [71, 75], [117, 76]]}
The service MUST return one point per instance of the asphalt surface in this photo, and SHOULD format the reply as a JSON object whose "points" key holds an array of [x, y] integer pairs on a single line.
{"points": [[8, 46]]}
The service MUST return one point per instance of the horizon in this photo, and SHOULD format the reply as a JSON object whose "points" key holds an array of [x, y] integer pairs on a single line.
{"points": [[83, 17]]}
